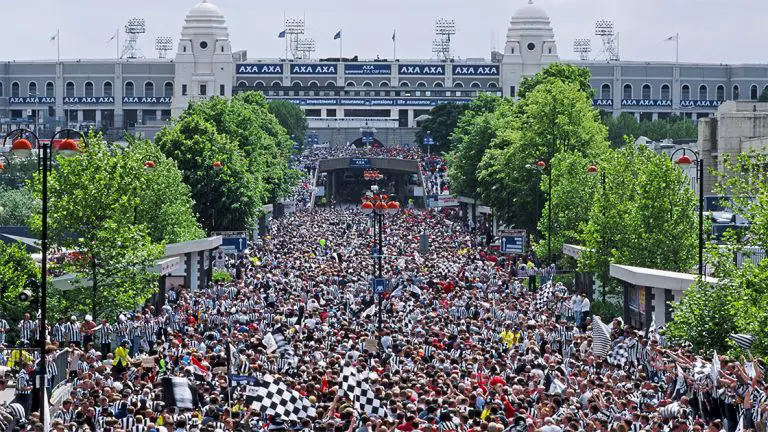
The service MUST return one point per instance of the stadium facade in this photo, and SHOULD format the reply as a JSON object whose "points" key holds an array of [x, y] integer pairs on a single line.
{"points": [[344, 93]]}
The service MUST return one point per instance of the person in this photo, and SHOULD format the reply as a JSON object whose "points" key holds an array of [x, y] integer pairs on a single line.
{"points": [[121, 358], [577, 301], [585, 313], [24, 387], [87, 328]]}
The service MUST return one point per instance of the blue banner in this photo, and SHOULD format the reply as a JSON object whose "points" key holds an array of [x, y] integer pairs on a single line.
{"points": [[32, 100], [513, 244], [372, 102], [421, 69], [368, 69], [154, 100], [602, 102], [700, 103], [313, 69], [476, 70], [259, 69], [647, 102], [359, 163], [89, 100]]}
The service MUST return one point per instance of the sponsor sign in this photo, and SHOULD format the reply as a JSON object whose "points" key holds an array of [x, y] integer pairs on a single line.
{"points": [[151, 100], [259, 69], [476, 70], [313, 69], [700, 103], [89, 100], [32, 100], [437, 201], [359, 163], [647, 102], [371, 102], [602, 102], [421, 69], [368, 69]]}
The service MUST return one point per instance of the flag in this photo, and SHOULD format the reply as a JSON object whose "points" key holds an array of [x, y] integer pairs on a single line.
{"points": [[601, 338], [671, 38], [744, 341], [281, 35], [714, 370], [337, 35], [55, 35], [394, 34], [271, 397], [619, 353], [179, 392], [114, 36], [200, 369], [360, 393]]}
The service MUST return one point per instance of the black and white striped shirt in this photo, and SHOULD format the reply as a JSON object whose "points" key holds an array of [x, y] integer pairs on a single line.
{"points": [[23, 381]]}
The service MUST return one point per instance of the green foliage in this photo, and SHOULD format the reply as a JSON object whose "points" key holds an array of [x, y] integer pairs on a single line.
{"points": [[118, 215], [606, 310], [16, 268], [625, 125], [763, 96], [221, 276], [441, 123], [558, 72], [290, 117], [18, 173], [645, 215], [16, 206]]}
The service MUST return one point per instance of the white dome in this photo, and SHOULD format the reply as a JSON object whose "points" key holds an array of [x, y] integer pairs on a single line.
{"points": [[203, 9], [530, 11]]}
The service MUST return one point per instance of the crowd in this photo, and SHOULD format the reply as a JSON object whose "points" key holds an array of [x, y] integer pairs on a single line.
{"points": [[462, 345], [434, 170]]}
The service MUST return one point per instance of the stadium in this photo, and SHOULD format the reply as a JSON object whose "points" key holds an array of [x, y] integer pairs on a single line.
{"points": [[343, 97]]}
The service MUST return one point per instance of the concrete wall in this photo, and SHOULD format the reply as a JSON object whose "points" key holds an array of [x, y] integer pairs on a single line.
{"points": [[389, 137]]}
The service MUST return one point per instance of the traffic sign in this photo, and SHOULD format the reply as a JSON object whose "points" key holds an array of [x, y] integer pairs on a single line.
{"points": [[237, 243], [513, 241], [379, 285]]}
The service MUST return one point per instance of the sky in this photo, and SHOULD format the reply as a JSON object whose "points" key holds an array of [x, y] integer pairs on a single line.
{"points": [[711, 31]]}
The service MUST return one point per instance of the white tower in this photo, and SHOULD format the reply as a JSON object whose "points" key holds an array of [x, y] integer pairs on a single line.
{"points": [[204, 63], [530, 46]]}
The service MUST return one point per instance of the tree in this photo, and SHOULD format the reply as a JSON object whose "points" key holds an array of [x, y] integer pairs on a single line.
{"points": [[228, 199], [18, 174], [16, 206], [441, 123], [17, 272], [626, 126], [290, 117], [117, 217], [763, 96], [558, 72]]}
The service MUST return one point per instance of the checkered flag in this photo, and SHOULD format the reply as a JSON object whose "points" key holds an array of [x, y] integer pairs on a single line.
{"points": [[360, 393], [272, 397], [619, 354], [543, 296]]}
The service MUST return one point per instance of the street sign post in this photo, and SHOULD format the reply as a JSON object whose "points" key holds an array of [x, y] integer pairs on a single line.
{"points": [[237, 240], [379, 286], [513, 241]]}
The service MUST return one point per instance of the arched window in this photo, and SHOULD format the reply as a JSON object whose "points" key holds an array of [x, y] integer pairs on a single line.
{"points": [[384, 84], [276, 84], [493, 85], [88, 89], [421, 84], [1, 89], [627, 91], [605, 91], [168, 89], [665, 92], [130, 89], [149, 89], [720, 92], [753, 92], [475, 84], [296, 84], [69, 89], [735, 94], [685, 93], [15, 89], [107, 89], [50, 89], [367, 84], [330, 84], [351, 84], [32, 89], [258, 84], [646, 92], [437, 84], [242, 84], [405, 84], [458, 84], [314, 84], [703, 92]]}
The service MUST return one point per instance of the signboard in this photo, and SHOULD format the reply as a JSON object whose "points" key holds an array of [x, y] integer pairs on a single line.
{"points": [[379, 286], [89, 100], [700, 103], [371, 345], [647, 102], [259, 69], [319, 191], [429, 140], [425, 102], [219, 259], [438, 201], [368, 69], [313, 69], [152, 100], [359, 163], [421, 69], [237, 240], [602, 102], [476, 70], [513, 241], [32, 100]]}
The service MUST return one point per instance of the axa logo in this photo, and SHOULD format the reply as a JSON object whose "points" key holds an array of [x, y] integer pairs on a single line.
{"points": [[259, 69], [313, 69], [476, 70], [421, 70]]}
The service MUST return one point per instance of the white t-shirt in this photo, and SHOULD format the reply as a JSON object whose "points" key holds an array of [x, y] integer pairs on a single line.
{"points": [[577, 301], [585, 305]]}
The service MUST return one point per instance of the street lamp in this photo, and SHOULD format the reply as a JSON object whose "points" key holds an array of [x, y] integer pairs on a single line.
{"points": [[23, 143], [684, 162], [379, 206]]}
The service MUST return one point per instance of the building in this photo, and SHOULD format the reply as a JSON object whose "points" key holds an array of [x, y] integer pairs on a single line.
{"points": [[342, 97]]}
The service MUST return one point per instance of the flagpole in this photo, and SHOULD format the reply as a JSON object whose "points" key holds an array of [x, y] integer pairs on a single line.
{"points": [[394, 45], [58, 47], [677, 48], [117, 46], [341, 39]]}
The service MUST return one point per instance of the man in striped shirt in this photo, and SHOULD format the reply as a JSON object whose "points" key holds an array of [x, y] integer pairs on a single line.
{"points": [[24, 386], [27, 329]]}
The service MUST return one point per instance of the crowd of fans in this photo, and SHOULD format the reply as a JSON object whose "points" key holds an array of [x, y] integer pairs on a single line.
{"points": [[462, 345]]}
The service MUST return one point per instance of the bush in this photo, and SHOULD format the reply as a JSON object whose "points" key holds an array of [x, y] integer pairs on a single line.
{"points": [[221, 276], [606, 310]]}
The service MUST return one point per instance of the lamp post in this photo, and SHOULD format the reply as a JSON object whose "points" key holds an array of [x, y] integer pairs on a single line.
{"points": [[379, 206], [541, 165], [23, 144], [685, 161]]}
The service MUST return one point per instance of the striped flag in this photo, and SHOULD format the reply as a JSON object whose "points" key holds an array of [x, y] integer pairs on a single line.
{"points": [[601, 338], [281, 35], [744, 341], [337, 35], [714, 370]]}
